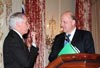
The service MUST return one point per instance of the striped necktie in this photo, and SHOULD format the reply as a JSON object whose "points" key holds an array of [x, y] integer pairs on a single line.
{"points": [[67, 38]]}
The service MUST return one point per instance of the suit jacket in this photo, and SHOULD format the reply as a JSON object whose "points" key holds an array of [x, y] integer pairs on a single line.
{"points": [[82, 40], [16, 53]]}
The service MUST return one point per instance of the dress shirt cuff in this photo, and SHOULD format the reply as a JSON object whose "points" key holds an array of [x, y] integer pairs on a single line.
{"points": [[33, 44]]}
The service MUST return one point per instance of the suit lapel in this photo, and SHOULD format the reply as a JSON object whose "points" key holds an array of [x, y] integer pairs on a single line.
{"points": [[62, 39], [75, 38]]}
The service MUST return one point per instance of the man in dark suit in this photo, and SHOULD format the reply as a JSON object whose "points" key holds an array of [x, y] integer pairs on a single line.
{"points": [[16, 53], [81, 39]]}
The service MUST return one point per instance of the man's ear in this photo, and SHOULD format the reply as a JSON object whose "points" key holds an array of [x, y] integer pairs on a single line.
{"points": [[18, 25], [73, 22]]}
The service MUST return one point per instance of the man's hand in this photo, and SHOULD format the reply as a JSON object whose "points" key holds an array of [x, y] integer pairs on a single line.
{"points": [[31, 39], [33, 36]]}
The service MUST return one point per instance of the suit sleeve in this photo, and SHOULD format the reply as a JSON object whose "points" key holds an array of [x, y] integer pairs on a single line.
{"points": [[56, 47], [89, 43], [22, 55]]}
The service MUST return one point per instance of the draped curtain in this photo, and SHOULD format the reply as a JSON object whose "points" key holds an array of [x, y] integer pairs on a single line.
{"points": [[35, 10], [96, 24], [83, 14]]}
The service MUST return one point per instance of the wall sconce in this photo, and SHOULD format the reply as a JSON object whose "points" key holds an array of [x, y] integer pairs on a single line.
{"points": [[52, 29]]}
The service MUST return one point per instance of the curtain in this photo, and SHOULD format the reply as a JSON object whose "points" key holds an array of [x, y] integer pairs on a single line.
{"points": [[88, 14], [83, 14], [35, 10], [96, 24]]}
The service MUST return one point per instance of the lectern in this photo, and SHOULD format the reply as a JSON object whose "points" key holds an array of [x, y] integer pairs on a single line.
{"points": [[81, 60]]}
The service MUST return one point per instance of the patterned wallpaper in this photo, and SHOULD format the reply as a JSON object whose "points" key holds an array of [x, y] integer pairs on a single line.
{"points": [[5, 10]]}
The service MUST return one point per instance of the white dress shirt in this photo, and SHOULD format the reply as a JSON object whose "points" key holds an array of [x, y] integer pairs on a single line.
{"points": [[71, 34]]}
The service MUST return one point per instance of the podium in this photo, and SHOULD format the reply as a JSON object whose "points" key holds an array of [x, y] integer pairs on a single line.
{"points": [[81, 60]]}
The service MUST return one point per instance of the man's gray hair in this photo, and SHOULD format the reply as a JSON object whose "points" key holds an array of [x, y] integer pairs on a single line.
{"points": [[15, 18]]}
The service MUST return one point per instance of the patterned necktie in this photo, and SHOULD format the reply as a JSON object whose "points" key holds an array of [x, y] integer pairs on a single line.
{"points": [[67, 38]]}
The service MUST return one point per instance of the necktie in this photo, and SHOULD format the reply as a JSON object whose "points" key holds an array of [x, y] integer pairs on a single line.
{"points": [[67, 39]]}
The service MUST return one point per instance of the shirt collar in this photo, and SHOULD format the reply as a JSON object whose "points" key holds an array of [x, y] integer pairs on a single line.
{"points": [[72, 34], [18, 33]]}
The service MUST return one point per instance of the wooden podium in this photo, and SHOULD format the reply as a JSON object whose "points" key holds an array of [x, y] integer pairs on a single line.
{"points": [[81, 60]]}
